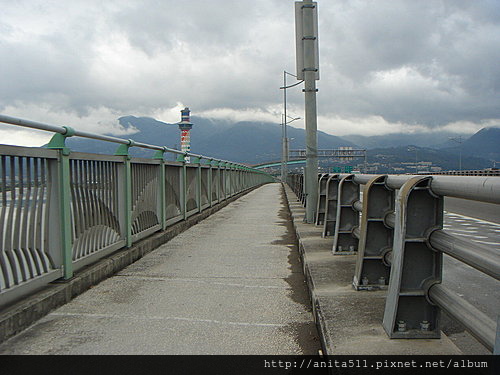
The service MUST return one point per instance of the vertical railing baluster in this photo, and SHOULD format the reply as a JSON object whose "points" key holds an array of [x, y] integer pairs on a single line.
{"points": [[40, 221]]}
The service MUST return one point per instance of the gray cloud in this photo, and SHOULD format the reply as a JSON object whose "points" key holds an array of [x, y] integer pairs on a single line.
{"points": [[406, 62], [448, 49]]}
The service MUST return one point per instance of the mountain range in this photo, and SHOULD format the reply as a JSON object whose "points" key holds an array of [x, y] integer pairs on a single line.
{"points": [[256, 142], [245, 142]]}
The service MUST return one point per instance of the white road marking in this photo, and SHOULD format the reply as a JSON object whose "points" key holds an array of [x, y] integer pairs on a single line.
{"points": [[478, 220], [489, 243], [472, 236], [476, 229], [463, 230]]}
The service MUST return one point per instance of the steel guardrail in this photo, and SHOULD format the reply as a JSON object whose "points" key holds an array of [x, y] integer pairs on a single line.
{"points": [[400, 241]]}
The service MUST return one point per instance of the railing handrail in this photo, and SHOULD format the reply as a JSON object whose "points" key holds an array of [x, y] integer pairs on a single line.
{"points": [[64, 130], [477, 188]]}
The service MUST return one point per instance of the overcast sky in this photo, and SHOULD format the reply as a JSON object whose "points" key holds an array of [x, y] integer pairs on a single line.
{"points": [[386, 66]]}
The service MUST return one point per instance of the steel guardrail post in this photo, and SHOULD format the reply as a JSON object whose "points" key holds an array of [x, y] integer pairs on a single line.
{"points": [[125, 196], [159, 155], [347, 220], [375, 242], [63, 197], [331, 197], [415, 265], [321, 207]]}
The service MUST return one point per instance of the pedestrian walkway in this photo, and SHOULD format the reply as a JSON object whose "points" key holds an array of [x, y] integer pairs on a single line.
{"points": [[231, 284]]}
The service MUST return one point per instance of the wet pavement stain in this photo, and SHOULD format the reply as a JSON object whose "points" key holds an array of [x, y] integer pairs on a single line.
{"points": [[305, 333]]}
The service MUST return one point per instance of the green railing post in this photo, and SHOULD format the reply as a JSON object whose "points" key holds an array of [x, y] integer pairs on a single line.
{"points": [[223, 177], [126, 202], [209, 182], [231, 179], [182, 158], [198, 182], [58, 142], [159, 155], [217, 178]]}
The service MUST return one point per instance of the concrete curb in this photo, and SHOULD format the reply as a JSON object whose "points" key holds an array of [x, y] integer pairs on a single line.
{"points": [[349, 322], [22, 314]]}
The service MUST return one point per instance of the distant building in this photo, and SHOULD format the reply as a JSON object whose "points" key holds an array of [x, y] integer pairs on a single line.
{"points": [[185, 127]]}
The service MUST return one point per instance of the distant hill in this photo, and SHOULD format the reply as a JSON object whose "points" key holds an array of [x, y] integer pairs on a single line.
{"points": [[434, 140], [405, 154], [485, 144], [256, 142], [246, 142]]}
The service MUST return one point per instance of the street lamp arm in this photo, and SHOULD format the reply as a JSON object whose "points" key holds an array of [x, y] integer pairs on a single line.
{"points": [[287, 87], [292, 120]]}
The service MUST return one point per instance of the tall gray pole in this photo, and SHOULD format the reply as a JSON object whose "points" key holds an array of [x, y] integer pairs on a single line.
{"points": [[282, 149], [285, 155], [310, 68]]}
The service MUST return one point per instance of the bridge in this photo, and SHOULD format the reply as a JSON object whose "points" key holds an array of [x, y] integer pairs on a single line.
{"points": [[274, 164], [110, 254]]}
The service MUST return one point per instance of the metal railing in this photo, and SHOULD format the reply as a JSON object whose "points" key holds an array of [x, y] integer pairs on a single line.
{"points": [[395, 226], [472, 172], [62, 210]]}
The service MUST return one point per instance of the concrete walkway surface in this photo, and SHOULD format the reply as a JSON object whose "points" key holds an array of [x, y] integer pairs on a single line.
{"points": [[231, 284]]}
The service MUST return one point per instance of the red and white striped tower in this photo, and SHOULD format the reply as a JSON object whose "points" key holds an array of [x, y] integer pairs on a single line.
{"points": [[185, 127]]}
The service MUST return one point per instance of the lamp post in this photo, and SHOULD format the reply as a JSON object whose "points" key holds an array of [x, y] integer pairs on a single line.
{"points": [[306, 37], [284, 142], [416, 158], [284, 122], [458, 140]]}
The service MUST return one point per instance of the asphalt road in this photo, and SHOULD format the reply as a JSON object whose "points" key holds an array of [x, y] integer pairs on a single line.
{"points": [[478, 222], [479, 210]]}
